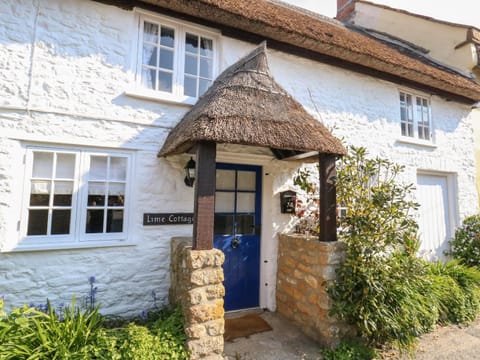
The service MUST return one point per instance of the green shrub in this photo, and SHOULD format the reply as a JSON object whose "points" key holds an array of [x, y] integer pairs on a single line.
{"points": [[465, 245], [381, 286], [350, 350]]}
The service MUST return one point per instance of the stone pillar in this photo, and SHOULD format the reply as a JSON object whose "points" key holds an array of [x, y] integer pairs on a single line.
{"points": [[196, 284], [305, 266]]}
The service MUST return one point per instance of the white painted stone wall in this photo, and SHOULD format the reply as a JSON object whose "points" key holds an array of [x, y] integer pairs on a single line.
{"points": [[64, 68]]}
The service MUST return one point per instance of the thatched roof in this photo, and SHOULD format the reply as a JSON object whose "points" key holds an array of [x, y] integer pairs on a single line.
{"points": [[320, 35], [246, 106]]}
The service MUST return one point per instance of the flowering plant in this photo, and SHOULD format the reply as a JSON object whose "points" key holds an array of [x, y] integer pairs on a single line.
{"points": [[308, 201], [465, 245]]}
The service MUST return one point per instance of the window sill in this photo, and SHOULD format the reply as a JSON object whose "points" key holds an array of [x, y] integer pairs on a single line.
{"points": [[417, 142], [66, 246], [152, 95]]}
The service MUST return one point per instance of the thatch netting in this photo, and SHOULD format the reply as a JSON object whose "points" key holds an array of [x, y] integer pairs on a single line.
{"points": [[246, 106]]}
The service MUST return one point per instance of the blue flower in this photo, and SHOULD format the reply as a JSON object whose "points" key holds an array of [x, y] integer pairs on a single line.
{"points": [[91, 279]]}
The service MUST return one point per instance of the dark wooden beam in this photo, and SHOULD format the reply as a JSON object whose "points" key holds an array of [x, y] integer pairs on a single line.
{"points": [[204, 203], [328, 198]]}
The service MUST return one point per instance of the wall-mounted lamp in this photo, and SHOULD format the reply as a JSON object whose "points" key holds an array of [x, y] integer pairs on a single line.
{"points": [[189, 173]]}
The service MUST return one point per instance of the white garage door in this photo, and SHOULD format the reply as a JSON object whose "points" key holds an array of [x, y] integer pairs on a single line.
{"points": [[434, 222]]}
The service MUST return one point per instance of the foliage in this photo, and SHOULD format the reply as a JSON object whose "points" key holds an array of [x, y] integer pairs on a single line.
{"points": [[381, 287], [27, 333], [465, 246], [456, 289], [350, 350], [307, 209]]}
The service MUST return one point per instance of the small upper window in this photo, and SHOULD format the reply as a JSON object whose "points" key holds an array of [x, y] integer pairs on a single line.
{"points": [[415, 116], [175, 60]]}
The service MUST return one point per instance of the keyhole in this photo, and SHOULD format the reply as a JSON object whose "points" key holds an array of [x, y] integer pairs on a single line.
{"points": [[235, 243]]}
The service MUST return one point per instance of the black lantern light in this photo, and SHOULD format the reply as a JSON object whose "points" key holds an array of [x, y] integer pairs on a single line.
{"points": [[190, 172]]}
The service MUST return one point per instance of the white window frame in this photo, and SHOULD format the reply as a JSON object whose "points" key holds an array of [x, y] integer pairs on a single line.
{"points": [[181, 29], [78, 237], [415, 138]]}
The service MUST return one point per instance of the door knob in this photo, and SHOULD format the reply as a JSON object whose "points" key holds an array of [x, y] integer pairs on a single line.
{"points": [[235, 243]]}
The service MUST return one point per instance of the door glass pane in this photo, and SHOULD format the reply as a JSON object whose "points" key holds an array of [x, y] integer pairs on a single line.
{"points": [[40, 193], [246, 180], [63, 191], [225, 179], [65, 166], [224, 202], [223, 224], [42, 165], [114, 221], [60, 222], [246, 202], [94, 221], [96, 194], [246, 224], [37, 222], [98, 168], [118, 168], [116, 194]]}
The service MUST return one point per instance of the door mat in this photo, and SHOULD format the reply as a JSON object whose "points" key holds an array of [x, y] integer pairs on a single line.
{"points": [[244, 327]]}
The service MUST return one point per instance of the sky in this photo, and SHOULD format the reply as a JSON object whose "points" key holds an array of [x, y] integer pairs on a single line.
{"points": [[465, 12]]}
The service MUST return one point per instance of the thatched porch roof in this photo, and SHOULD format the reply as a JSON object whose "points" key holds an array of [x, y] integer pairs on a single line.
{"points": [[246, 106]]}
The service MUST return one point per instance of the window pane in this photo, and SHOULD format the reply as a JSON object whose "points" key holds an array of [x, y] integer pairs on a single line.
{"points": [[149, 55], [225, 179], [191, 64], [224, 202], [191, 43], [190, 86], [245, 224], [62, 195], [246, 180], [116, 194], [168, 36], [203, 86], [403, 114], [149, 78], [40, 193], [404, 129], [94, 221], [164, 81], [96, 194], [114, 221], [118, 168], [206, 47], [37, 222], [206, 68], [98, 168], [166, 59], [223, 224], [60, 222], [150, 32], [42, 165], [246, 202], [65, 166]]}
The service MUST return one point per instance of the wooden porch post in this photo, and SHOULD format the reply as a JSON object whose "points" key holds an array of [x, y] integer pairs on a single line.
{"points": [[328, 198], [204, 200]]}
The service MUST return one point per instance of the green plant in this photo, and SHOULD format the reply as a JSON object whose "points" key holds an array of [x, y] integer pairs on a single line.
{"points": [[465, 245], [381, 286], [350, 350]]}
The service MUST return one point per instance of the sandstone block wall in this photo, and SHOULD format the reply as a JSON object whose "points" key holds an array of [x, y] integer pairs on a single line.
{"points": [[196, 284], [305, 266]]}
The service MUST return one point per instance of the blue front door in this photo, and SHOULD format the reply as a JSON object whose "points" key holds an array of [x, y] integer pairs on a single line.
{"points": [[237, 232]]}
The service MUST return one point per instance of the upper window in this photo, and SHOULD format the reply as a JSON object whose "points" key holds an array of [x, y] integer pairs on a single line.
{"points": [[75, 196], [415, 116], [175, 60]]}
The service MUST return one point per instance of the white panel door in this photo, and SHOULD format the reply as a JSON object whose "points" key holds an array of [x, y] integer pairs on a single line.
{"points": [[434, 223]]}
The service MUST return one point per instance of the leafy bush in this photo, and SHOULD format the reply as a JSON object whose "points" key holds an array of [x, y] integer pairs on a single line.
{"points": [[465, 246], [350, 350], [381, 287], [27, 333], [456, 289]]}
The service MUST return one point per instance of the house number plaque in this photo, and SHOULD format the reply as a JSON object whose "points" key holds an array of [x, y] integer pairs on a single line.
{"points": [[167, 219]]}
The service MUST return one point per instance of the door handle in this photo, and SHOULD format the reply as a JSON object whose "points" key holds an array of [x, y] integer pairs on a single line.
{"points": [[235, 243]]}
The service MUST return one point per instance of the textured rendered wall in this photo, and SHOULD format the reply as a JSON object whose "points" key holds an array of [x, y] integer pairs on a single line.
{"points": [[64, 69]]}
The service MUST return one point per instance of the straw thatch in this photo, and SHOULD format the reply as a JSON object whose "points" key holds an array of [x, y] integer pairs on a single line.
{"points": [[246, 106]]}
